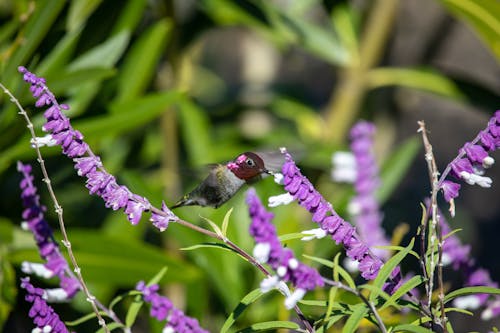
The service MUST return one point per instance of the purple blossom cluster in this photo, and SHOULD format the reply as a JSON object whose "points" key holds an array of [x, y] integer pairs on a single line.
{"points": [[364, 206], [87, 164], [43, 315], [163, 309], [474, 159], [269, 249], [325, 216], [34, 220], [458, 255]]}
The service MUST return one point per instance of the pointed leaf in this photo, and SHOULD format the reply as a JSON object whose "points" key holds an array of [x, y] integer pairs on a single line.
{"points": [[245, 302], [407, 286], [355, 318], [388, 267], [270, 325], [225, 222], [411, 328], [471, 291]]}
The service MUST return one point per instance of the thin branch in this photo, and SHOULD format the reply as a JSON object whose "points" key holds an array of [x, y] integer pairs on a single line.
{"points": [[433, 176], [340, 285], [59, 211]]}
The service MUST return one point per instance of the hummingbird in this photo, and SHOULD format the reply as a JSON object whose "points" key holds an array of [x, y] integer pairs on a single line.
{"points": [[224, 180]]}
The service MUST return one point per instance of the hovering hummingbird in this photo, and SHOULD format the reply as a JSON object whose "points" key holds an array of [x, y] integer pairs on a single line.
{"points": [[224, 180]]}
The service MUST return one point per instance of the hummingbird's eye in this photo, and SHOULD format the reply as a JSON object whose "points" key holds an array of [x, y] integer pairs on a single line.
{"points": [[250, 162]]}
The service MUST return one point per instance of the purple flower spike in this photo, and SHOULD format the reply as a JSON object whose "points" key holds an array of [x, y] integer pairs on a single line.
{"points": [[473, 159], [340, 230], [44, 316], [87, 164], [161, 221], [364, 207], [56, 264], [163, 309], [269, 250]]}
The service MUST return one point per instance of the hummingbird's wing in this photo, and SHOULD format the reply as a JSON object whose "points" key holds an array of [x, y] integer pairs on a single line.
{"points": [[273, 160]]}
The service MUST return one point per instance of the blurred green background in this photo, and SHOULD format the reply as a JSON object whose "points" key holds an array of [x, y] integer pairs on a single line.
{"points": [[161, 88]]}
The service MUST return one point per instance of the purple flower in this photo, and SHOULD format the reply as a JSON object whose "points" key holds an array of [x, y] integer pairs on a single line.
{"points": [[328, 220], [364, 206], [163, 309], [56, 264], [44, 316], [87, 164], [473, 158], [282, 260], [161, 221]]}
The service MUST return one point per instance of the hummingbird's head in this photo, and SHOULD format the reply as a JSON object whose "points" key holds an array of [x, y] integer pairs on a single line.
{"points": [[247, 166]]}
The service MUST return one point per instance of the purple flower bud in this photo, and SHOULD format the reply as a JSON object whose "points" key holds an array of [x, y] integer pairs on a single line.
{"points": [[279, 258], [475, 153], [161, 221], [163, 309], [44, 316], [450, 190]]}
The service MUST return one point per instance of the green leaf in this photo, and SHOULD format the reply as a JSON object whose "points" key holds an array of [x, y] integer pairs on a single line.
{"points": [[311, 37], [43, 18], [483, 16], [80, 77], [270, 325], [214, 226], [141, 62], [196, 132], [387, 269], [132, 114], [411, 328], [396, 167], [245, 302], [79, 12], [208, 245], [407, 286], [156, 279], [423, 79], [111, 326], [471, 291], [355, 318], [133, 311], [103, 55], [291, 236], [121, 262], [225, 222]]}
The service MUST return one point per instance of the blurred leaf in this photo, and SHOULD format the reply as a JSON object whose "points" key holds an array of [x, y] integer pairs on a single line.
{"points": [[52, 64], [79, 77], [132, 114], [103, 55], [130, 16], [141, 61], [328, 323], [355, 318], [133, 311], [117, 261], [208, 245], [37, 26], [6, 231], [411, 328], [269, 325], [343, 21], [79, 12], [471, 291], [245, 302], [320, 41], [423, 79], [387, 269], [396, 167], [483, 16], [157, 278], [111, 326], [8, 289], [195, 132]]}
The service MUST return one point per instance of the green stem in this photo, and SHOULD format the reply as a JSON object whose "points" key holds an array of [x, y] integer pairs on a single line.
{"points": [[351, 89]]}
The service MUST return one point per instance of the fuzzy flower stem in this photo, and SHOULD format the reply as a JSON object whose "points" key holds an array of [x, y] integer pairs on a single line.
{"points": [[435, 227], [59, 212]]}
